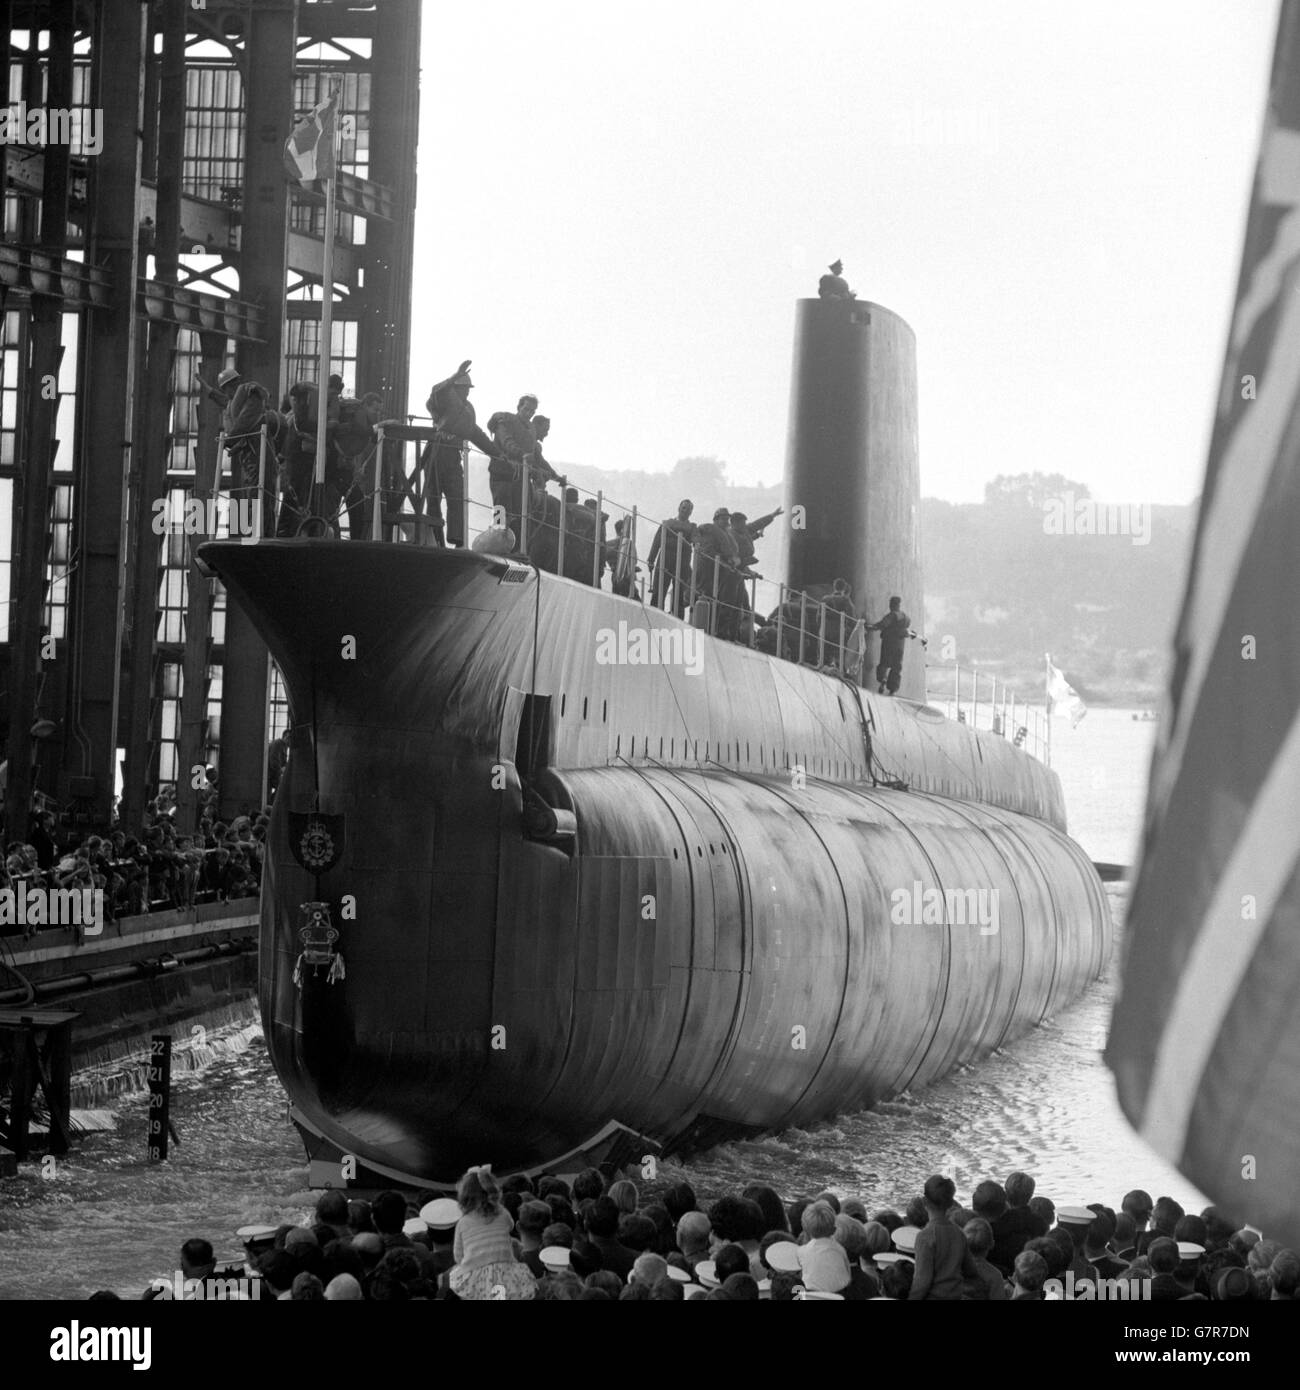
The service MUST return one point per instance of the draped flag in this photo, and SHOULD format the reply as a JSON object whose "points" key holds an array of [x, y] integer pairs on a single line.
{"points": [[1061, 692], [309, 151], [1205, 1037]]}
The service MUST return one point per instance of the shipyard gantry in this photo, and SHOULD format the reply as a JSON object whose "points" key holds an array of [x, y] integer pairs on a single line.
{"points": [[152, 238]]}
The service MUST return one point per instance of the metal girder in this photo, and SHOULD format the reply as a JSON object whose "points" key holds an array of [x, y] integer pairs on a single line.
{"points": [[344, 20], [268, 94], [358, 196], [38, 271], [206, 313], [107, 381], [307, 257]]}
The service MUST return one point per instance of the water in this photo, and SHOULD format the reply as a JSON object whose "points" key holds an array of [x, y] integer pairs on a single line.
{"points": [[1045, 1104], [1103, 767]]}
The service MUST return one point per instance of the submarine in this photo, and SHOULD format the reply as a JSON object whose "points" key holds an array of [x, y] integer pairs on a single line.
{"points": [[524, 905]]}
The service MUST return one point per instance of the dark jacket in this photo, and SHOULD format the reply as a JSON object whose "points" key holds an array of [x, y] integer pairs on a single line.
{"points": [[943, 1260]]}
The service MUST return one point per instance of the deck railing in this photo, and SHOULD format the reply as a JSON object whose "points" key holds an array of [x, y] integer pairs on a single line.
{"points": [[398, 504]]}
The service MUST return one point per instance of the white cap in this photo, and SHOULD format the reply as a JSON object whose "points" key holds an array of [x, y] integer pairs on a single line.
{"points": [[783, 1254], [415, 1227], [441, 1214], [554, 1256], [905, 1238], [252, 1234]]}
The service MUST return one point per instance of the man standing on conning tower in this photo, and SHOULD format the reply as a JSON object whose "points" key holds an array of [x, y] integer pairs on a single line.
{"points": [[834, 285]]}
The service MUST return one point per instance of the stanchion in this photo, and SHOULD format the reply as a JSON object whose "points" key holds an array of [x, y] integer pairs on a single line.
{"points": [[376, 520]]}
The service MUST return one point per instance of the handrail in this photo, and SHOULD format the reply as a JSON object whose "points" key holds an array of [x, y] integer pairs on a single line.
{"points": [[1003, 713], [735, 615]]}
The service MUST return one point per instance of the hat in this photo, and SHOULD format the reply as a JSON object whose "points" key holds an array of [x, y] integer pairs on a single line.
{"points": [[462, 371], [555, 1256], [1189, 1250], [415, 1227], [1233, 1285], [836, 265], [683, 1276], [1074, 1216], [707, 1275], [905, 1239], [255, 1235], [891, 1257], [825, 1266], [783, 1254], [441, 1214], [819, 1296], [228, 377], [722, 511]]}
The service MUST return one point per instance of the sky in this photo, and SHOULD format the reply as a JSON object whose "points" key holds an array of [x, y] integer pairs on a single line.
{"points": [[620, 204]]}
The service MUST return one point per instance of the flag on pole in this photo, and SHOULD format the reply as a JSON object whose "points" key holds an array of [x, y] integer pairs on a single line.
{"points": [[1205, 1036], [1061, 692], [309, 151]]}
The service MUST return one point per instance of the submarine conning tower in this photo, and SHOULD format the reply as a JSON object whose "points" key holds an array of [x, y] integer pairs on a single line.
{"points": [[852, 465]]}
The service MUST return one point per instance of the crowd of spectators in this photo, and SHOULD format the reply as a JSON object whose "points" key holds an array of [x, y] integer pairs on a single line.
{"points": [[599, 1240], [160, 869]]}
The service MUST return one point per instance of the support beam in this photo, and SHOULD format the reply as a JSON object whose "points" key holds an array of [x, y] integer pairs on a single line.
{"points": [[149, 482], [108, 384], [384, 333], [150, 473], [268, 86], [38, 384], [191, 749]]}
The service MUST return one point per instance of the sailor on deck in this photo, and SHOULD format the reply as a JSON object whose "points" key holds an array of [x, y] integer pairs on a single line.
{"points": [[516, 439], [457, 425], [670, 558], [895, 629]]}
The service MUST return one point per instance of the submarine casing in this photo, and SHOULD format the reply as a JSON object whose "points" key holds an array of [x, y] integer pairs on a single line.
{"points": [[714, 953]]}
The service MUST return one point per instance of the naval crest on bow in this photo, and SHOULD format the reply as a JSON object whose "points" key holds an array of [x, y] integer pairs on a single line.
{"points": [[317, 840]]}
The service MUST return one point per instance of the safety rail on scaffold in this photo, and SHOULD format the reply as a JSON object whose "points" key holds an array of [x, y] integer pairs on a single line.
{"points": [[402, 505]]}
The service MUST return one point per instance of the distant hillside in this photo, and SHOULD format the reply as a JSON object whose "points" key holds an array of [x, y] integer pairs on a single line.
{"points": [[1004, 578], [1007, 584]]}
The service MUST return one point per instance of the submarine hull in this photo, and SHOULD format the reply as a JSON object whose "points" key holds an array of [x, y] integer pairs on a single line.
{"points": [[746, 929]]}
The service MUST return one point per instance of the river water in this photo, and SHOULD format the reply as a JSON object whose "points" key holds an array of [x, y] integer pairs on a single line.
{"points": [[104, 1218]]}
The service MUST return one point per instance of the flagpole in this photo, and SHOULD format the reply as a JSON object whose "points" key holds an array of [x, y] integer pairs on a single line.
{"points": [[1047, 676], [326, 316]]}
